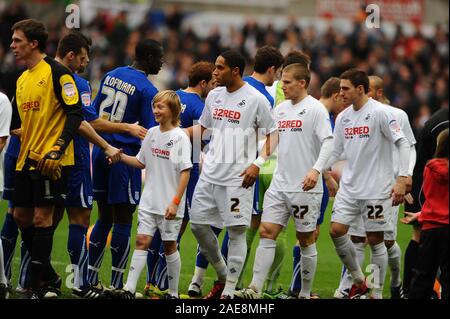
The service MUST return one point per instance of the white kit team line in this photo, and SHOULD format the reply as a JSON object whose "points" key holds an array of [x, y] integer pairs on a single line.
{"points": [[251, 128]]}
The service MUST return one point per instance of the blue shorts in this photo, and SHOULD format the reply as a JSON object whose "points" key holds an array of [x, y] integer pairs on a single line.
{"points": [[324, 204], [117, 183], [79, 186], [256, 210], [9, 169], [193, 179]]}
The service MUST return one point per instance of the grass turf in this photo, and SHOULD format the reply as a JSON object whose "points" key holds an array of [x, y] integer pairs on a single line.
{"points": [[325, 282]]}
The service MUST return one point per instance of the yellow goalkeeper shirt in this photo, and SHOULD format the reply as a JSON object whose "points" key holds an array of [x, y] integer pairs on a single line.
{"points": [[42, 93]]}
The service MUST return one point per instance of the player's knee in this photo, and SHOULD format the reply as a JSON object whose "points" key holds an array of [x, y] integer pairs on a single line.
{"points": [[337, 231], [358, 239], [42, 220], [235, 232], [170, 247], [22, 220], [267, 231], [142, 242], [375, 238], [198, 230], [389, 243], [306, 239]]}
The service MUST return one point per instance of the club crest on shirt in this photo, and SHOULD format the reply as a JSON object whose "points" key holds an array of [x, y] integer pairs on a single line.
{"points": [[241, 104], [367, 118], [302, 112]]}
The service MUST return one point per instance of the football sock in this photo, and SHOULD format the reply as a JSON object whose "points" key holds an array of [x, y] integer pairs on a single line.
{"points": [[97, 243], [199, 275], [249, 236], [25, 267], [346, 279], [308, 269], [346, 252], [394, 255], [209, 246], [201, 261], [280, 252], [9, 238], [411, 256], [153, 257], [3, 279], [120, 249], [237, 249], [42, 248], [76, 246], [296, 280], [264, 256], [379, 258], [225, 244], [162, 280], [173, 270], [138, 261]]}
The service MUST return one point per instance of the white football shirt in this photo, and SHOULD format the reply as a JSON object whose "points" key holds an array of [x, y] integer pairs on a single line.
{"points": [[364, 138], [5, 121], [165, 155], [234, 119], [302, 129], [403, 122]]}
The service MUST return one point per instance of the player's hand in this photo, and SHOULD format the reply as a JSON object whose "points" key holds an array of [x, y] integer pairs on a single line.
{"points": [[113, 154], [408, 184], [310, 180], [250, 175], [50, 164], [171, 211], [409, 218], [137, 131], [331, 184], [398, 191]]}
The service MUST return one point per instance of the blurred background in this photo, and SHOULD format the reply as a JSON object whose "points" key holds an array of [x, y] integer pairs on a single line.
{"points": [[409, 50]]}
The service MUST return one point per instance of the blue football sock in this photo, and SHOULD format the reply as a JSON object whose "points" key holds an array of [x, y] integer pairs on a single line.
{"points": [[76, 246], [97, 243], [161, 271], [224, 249], [120, 250], [296, 281], [9, 238], [152, 258]]}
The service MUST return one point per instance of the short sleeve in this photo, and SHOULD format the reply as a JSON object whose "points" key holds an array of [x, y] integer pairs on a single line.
{"points": [[5, 115], [406, 128], [141, 157], [205, 118], [390, 126], [323, 124], [186, 147]]}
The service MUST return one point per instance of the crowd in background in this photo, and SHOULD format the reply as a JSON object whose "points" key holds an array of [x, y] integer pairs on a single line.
{"points": [[415, 68]]}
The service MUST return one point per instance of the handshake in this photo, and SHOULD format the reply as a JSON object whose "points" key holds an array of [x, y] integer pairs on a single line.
{"points": [[50, 164]]}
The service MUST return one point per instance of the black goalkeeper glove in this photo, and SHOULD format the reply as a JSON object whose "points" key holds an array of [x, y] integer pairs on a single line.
{"points": [[50, 164]]}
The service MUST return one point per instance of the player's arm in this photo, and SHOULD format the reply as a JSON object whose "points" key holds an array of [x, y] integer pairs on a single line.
{"points": [[104, 126], [131, 161], [88, 132], [171, 211], [412, 164], [252, 172]]}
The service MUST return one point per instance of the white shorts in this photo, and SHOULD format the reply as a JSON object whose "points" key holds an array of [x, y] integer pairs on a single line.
{"points": [[148, 223], [221, 205], [358, 229], [303, 207], [376, 214]]}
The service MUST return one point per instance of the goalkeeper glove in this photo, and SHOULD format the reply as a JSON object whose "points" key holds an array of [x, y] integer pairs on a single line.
{"points": [[50, 164]]}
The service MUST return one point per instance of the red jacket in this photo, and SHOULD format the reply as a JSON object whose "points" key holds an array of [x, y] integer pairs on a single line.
{"points": [[435, 188]]}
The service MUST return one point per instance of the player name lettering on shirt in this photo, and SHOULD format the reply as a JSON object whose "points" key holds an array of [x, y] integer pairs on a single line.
{"points": [[359, 131], [120, 85], [232, 116]]}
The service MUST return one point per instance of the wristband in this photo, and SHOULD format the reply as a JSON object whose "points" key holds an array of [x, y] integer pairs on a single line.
{"points": [[176, 200], [259, 161]]}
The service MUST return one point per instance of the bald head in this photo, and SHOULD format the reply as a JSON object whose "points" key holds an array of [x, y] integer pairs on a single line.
{"points": [[376, 89]]}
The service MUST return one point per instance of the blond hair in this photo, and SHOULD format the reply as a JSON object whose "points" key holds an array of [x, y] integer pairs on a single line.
{"points": [[172, 100]]}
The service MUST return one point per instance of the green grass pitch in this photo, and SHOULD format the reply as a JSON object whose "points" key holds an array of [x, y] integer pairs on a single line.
{"points": [[326, 279]]}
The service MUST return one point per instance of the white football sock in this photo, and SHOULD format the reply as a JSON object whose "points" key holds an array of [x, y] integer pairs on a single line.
{"points": [[138, 262], [308, 264], [347, 253], [173, 270], [199, 275], [3, 278], [265, 253], [209, 247], [379, 258], [237, 251], [394, 259], [346, 278]]}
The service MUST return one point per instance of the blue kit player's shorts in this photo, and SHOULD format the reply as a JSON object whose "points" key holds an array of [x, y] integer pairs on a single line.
{"points": [[79, 187], [117, 183], [256, 208], [193, 179], [324, 204], [9, 169]]}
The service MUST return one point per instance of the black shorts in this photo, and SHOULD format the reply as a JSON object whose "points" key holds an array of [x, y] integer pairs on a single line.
{"points": [[32, 189]]}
